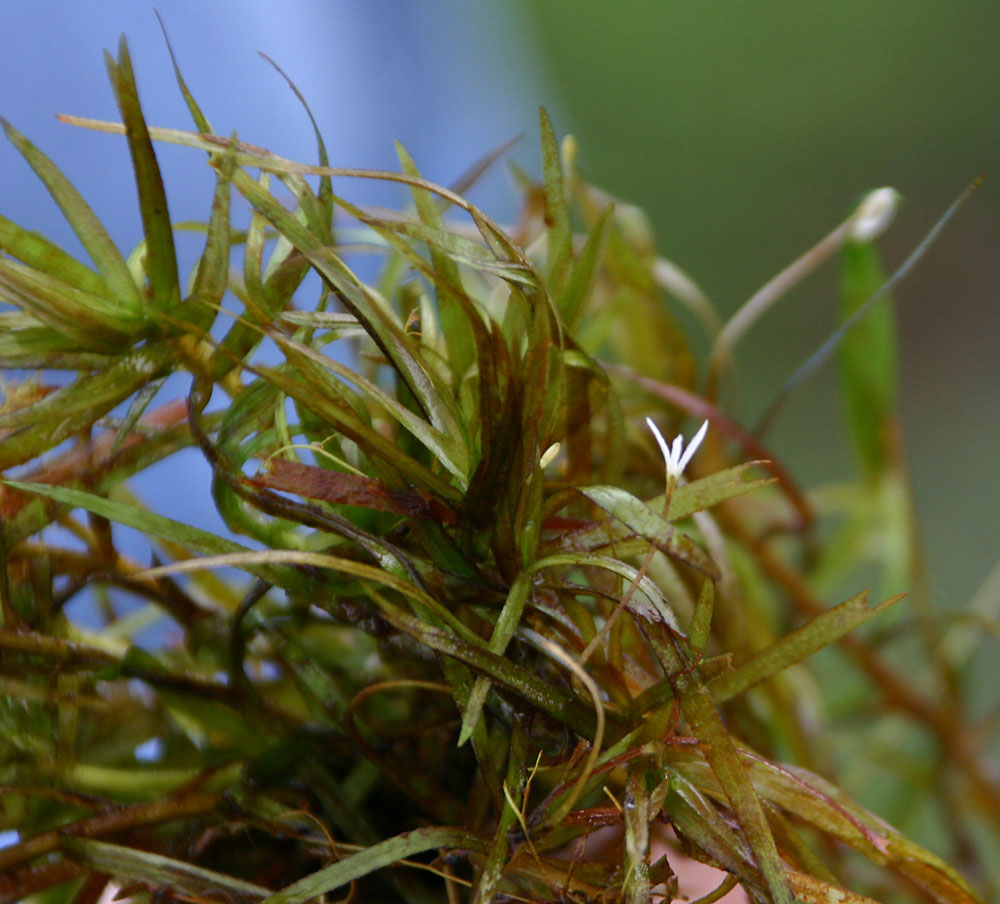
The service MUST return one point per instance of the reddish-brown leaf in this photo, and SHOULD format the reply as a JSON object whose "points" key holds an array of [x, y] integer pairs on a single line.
{"points": [[351, 489]]}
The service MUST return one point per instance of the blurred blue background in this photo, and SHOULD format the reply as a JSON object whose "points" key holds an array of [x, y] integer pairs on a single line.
{"points": [[747, 130]]}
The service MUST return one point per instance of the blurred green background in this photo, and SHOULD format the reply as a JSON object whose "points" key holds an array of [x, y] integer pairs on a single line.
{"points": [[748, 130]]}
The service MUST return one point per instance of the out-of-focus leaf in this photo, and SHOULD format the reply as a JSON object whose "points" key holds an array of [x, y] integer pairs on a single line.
{"points": [[72, 408], [22, 516], [822, 631], [155, 870], [639, 517], [868, 363], [161, 258], [930, 873]]}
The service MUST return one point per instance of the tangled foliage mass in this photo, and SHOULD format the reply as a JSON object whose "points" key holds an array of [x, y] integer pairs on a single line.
{"points": [[481, 644]]}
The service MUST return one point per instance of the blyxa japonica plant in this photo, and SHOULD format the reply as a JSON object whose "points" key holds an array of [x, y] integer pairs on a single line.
{"points": [[493, 634]]}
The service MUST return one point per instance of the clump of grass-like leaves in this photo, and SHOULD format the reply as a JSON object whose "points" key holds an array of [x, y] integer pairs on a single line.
{"points": [[481, 621]]}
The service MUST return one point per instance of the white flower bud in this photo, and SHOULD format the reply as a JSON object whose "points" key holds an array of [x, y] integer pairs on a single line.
{"points": [[874, 214]]}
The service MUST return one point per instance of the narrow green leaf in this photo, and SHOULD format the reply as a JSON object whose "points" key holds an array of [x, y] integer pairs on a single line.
{"points": [[362, 303], [687, 499], [560, 236], [200, 120], [26, 344], [702, 494], [822, 631], [451, 454], [443, 244], [136, 409], [310, 209], [91, 321], [498, 241], [541, 693], [698, 822], [253, 253], [153, 525], [639, 517], [155, 870], [517, 763], [326, 196], [701, 620], [868, 358], [313, 389], [581, 277], [822, 354], [818, 803], [454, 318], [637, 817], [339, 325], [657, 609], [503, 631], [39, 253], [141, 519], [212, 274], [380, 855], [720, 750], [161, 257], [92, 235]]}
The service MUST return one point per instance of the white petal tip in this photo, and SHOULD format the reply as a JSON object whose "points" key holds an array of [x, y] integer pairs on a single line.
{"points": [[661, 442]]}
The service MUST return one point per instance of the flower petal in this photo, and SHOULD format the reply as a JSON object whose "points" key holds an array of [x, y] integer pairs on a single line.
{"points": [[664, 448], [692, 447]]}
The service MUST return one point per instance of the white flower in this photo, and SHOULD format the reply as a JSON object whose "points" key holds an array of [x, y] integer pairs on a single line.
{"points": [[677, 457]]}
